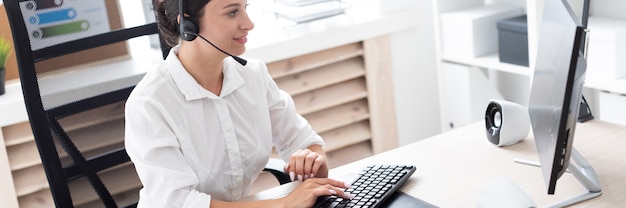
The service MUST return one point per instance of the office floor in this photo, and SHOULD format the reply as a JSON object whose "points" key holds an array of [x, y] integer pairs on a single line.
{"points": [[335, 159]]}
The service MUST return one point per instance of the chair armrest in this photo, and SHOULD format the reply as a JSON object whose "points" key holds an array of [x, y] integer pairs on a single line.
{"points": [[275, 167]]}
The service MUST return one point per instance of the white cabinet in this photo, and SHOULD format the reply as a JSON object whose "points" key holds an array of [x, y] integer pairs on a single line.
{"points": [[512, 81], [611, 107], [466, 91], [607, 48]]}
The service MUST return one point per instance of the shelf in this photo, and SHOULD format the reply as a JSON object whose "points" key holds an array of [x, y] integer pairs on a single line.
{"points": [[508, 82], [17, 134], [331, 96], [348, 135], [119, 180], [299, 64], [94, 117], [339, 116], [30, 180], [124, 190], [23, 156], [491, 61], [323, 76]]}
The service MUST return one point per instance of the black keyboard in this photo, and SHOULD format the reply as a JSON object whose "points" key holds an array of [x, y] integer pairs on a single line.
{"points": [[374, 184]]}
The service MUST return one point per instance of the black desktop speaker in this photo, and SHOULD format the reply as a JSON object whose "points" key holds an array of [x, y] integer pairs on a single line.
{"points": [[506, 122]]}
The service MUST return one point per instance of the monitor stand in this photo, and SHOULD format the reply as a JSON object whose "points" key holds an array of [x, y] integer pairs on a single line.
{"points": [[584, 173]]}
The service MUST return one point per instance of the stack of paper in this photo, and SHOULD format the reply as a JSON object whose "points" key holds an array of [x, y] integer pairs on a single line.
{"points": [[308, 9]]}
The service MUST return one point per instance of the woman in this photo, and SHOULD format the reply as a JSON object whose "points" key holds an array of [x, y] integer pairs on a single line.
{"points": [[200, 127]]}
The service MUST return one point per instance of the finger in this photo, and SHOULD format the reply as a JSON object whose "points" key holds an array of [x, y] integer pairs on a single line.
{"points": [[328, 190], [319, 161], [340, 193], [328, 181], [300, 162], [289, 172], [298, 168], [309, 163], [292, 165]]}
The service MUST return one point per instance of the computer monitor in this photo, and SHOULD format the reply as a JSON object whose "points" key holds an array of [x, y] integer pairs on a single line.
{"points": [[556, 88], [556, 95]]}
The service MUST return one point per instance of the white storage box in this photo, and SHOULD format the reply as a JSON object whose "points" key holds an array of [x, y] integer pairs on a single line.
{"points": [[606, 57], [473, 32], [611, 107]]}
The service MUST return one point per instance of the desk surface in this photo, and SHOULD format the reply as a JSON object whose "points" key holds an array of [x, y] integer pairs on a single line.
{"points": [[453, 167]]}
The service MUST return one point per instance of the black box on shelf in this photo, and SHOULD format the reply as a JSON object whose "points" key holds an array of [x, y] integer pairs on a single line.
{"points": [[513, 40]]}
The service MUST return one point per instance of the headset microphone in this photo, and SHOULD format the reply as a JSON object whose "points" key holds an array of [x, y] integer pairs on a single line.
{"points": [[241, 61], [189, 31]]}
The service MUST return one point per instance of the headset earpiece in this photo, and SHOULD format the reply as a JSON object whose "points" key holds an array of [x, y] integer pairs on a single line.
{"points": [[189, 29]]}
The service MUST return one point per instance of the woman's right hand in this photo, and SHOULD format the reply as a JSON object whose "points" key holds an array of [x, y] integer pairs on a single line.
{"points": [[307, 193]]}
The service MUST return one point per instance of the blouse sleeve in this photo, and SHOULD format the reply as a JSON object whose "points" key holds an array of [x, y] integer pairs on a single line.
{"points": [[168, 181], [290, 130]]}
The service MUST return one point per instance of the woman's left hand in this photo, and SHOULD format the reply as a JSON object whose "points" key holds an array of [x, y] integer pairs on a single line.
{"points": [[304, 164]]}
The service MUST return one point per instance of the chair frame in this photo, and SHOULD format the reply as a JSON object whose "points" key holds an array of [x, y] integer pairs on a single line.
{"points": [[45, 122]]}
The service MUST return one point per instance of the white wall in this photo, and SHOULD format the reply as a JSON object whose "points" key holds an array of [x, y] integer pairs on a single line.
{"points": [[415, 73]]}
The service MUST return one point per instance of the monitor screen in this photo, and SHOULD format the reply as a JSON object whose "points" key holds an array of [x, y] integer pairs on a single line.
{"points": [[556, 88]]}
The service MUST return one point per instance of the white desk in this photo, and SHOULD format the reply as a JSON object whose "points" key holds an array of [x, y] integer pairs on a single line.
{"points": [[452, 168]]}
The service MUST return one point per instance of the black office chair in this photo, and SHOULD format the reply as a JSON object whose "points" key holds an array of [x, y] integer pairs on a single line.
{"points": [[76, 110]]}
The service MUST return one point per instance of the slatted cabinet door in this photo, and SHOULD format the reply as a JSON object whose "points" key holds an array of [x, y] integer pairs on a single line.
{"points": [[333, 89]]}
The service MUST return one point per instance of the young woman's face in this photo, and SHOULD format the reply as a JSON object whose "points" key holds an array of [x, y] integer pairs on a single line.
{"points": [[226, 24]]}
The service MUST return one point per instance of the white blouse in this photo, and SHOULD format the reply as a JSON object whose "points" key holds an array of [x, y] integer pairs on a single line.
{"points": [[189, 145]]}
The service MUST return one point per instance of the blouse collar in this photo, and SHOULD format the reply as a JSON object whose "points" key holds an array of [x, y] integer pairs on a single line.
{"points": [[190, 88]]}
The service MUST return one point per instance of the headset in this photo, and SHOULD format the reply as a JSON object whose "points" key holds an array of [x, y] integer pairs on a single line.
{"points": [[189, 30]]}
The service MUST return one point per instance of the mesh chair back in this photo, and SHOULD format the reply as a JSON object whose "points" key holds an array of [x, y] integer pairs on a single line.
{"points": [[78, 61]]}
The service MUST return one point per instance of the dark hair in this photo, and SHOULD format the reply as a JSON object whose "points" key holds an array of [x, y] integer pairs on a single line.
{"points": [[166, 12]]}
